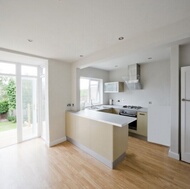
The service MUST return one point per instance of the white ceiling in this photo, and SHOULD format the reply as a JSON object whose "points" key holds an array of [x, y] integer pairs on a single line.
{"points": [[66, 29], [147, 56]]}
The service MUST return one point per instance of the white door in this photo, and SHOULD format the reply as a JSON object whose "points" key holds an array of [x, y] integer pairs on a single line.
{"points": [[185, 114]]}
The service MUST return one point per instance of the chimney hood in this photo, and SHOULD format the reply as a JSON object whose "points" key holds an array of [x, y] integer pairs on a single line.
{"points": [[132, 80]]}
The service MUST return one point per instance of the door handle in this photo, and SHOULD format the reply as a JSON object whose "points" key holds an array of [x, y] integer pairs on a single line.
{"points": [[185, 100]]}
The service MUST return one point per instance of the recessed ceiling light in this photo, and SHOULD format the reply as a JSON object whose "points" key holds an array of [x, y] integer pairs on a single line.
{"points": [[150, 58], [81, 55], [30, 40], [120, 38]]}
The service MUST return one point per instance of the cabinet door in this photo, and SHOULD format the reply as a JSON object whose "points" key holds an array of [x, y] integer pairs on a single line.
{"points": [[142, 123], [111, 87], [70, 125], [83, 131]]}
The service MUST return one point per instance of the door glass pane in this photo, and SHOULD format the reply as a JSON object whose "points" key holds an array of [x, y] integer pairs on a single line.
{"points": [[29, 70], [8, 128], [43, 106], [6, 68], [29, 105]]}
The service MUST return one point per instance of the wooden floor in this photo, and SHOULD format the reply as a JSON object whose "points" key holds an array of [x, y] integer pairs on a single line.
{"points": [[32, 165]]}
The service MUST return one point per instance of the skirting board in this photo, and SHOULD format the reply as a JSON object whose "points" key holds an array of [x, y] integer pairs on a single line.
{"points": [[97, 156], [58, 141], [173, 155]]}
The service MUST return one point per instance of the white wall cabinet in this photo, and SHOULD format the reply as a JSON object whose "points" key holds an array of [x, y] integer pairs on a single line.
{"points": [[113, 87]]}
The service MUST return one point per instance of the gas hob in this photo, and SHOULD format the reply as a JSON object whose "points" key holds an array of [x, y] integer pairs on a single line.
{"points": [[132, 107]]}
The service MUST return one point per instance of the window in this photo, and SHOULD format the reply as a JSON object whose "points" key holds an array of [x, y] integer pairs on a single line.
{"points": [[90, 91], [29, 70], [6, 68]]}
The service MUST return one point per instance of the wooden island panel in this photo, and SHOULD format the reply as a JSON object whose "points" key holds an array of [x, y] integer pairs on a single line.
{"points": [[105, 142]]}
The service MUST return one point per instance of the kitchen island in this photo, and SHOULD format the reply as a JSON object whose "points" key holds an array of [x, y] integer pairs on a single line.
{"points": [[102, 135]]}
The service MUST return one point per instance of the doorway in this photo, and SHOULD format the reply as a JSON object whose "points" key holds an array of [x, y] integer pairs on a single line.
{"points": [[185, 112], [22, 118]]}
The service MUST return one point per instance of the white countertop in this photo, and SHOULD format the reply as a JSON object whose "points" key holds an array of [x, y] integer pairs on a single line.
{"points": [[113, 119]]}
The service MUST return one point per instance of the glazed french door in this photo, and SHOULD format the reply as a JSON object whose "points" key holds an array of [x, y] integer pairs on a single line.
{"points": [[29, 107], [28, 102]]}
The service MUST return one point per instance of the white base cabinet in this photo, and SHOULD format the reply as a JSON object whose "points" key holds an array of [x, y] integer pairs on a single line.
{"points": [[105, 142], [141, 124]]}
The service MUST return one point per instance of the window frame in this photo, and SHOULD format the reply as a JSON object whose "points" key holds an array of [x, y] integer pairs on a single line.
{"points": [[100, 91]]}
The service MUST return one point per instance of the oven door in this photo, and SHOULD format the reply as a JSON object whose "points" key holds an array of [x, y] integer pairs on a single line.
{"points": [[132, 125]]}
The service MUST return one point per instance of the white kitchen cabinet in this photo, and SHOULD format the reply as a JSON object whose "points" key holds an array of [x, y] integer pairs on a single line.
{"points": [[113, 87], [71, 121], [142, 123], [103, 141]]}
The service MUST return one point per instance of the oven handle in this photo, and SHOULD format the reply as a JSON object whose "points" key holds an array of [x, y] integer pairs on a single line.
{"points": [[127, 115]]}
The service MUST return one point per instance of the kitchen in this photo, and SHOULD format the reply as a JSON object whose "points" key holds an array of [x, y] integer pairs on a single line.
{"points": [[154, 95], [99, 39]]}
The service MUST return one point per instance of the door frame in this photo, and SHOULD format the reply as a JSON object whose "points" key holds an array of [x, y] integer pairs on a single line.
{"points": [[18, 76], [182, 141]]}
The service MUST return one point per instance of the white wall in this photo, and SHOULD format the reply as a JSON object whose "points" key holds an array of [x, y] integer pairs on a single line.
{"points": [[174, 148], [184, 55], [180, 57], [155, 78], [59, 78], [59, 91]]}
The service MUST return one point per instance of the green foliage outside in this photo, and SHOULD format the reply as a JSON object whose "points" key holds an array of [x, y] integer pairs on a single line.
{"points": [[8, 97], [11, 94], [4, 106], [3, 84], [11, 118]]}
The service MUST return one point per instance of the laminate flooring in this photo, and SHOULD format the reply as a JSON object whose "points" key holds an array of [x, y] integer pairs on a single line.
{"points": [[32, 165]]}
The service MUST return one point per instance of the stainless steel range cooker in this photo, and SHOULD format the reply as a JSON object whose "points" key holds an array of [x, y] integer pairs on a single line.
{"points": [[130, 111]]}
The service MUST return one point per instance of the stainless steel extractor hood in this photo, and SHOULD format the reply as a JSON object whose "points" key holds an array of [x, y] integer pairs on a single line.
{"points": [[132, 79]]}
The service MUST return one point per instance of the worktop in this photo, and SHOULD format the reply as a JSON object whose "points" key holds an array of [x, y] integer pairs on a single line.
{"points": [[112, 119], [101, 134]]}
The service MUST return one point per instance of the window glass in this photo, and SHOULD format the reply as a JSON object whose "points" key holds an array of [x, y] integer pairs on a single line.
{"points": [[43, 71], [7, 68], [94, 91], [89, 92], [29, 70], [84, 90]]}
